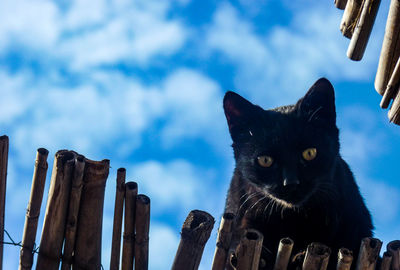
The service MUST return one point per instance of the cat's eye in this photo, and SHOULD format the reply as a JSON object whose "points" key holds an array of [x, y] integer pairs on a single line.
{"points": [[265, 161], [310, 153]]}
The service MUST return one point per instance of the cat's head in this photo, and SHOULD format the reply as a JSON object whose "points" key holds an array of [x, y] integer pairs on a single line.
{"points": [[288, 152]]}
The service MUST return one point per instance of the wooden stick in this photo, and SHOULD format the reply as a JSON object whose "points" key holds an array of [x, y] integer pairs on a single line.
{"points": [[128, 249], [87, 254], [142, 225], [118, 213], [394, 248], [390, 51], [317, 257], [394, 112], [195, 232], [33, 210], [223, 242], [248, 252], [350, 17], [73, 212], [386, 260], [362, 31], [345, 258], [56, 211], [392, 87], [4, 145], [284, 251], [340, 4], [369, 252]]}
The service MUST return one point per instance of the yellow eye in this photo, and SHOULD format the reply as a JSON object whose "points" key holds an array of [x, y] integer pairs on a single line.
{"points": [[265, 161], [310, 153]]}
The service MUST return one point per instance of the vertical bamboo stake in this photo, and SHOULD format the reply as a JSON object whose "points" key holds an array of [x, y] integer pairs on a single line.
{"points": [[142, 224], [73, 211], [284, 251], [386, 260], [350, 17], [345, 258], [394, 248], [195, 232], [223, 242], [390, 48], [392, 87], [128, 248], [4, 145], [363, 29], [56, 211], [248, 252], [317, 257], [369, 252], [394, 112], [87, 254], [117, 226], [33, 210], [340, 4]]}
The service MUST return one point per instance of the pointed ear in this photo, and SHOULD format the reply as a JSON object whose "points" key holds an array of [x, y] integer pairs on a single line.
{"points": [[318, 105]]}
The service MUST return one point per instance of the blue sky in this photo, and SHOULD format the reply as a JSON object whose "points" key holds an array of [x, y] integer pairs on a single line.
{"points": [[141, 83]]}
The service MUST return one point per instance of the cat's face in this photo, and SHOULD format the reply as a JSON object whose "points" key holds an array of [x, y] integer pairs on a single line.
{"points": [[288, 152]]}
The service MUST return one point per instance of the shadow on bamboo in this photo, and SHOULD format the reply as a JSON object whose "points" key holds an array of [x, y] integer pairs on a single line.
{"points": [[4, 145], [350, 17], [369, 253], [317, 257], [345, 259], [386, 261], [142, 225], [248, 252], [223, 242]]}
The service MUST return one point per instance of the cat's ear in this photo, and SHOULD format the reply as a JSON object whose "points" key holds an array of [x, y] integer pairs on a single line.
{"points": [[318, 105]]}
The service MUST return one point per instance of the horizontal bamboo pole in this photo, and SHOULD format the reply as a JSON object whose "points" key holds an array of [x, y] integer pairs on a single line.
{"points": [[195, 232], [390, 51], [33, 209], [4, 146], [284, 251], [345, 258], [142, 225], [340, 4], [363, 29], [369, 253], [394, 248], [350, 17], [223, 241], [393, 86], [386, 261], [248, 252], [317, 257], [118, 214]]}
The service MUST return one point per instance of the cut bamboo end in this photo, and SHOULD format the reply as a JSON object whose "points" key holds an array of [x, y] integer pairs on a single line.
{"points": [[4, 146], [284, 251], [369, 252], [345, 259], [195, 232], [362, 31], [386, 261], [317, 257], [223, 242], [142, 225], [394, 248], [392, 87], [33, 209], [350, 17], [248, 252], [340, 4], [390, 51]]}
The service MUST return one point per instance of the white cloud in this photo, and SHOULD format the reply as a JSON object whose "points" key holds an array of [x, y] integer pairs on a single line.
{"points": [[162, 246]]}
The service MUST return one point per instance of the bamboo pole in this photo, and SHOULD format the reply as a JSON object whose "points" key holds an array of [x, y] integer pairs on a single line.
{"points": [[345, 258], [394, 248], [4, 145], [390, 51], [33, 210], [317, 257], [248, 252], [284, 251], [392, 86], [128, 249], [118, 213], [369, 252], [394, 112], [87, 254], [223, 241], [195, 232], [340, 4], [56, 211], [73, 211], [142, 225], [350, 17], [386, 261], [362, 31]]}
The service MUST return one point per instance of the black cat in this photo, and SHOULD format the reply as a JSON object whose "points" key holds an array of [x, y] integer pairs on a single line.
{"points": [[290, 180]]}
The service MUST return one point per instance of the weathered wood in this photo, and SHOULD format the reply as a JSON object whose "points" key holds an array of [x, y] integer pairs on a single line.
{"points": [[4, 146], [284, 251], [369, 252], [73, 212], [56, 211], [33, 209], [195, 232], [390, 51], [392, 87], [394, 112], [363, 29], [128, 248], [317, 257], [340, 4], [248, 252], [118, 214], [87, 254], [142, 226], [345, 258], [350, 17], [386, 261], [223, 242], [394, 248]]}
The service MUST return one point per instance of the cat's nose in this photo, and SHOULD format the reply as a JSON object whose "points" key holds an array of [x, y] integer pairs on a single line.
{"points": [[290, 178]]}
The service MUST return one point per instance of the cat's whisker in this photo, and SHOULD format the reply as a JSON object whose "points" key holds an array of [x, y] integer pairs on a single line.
{"points": [[248, 198]]}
